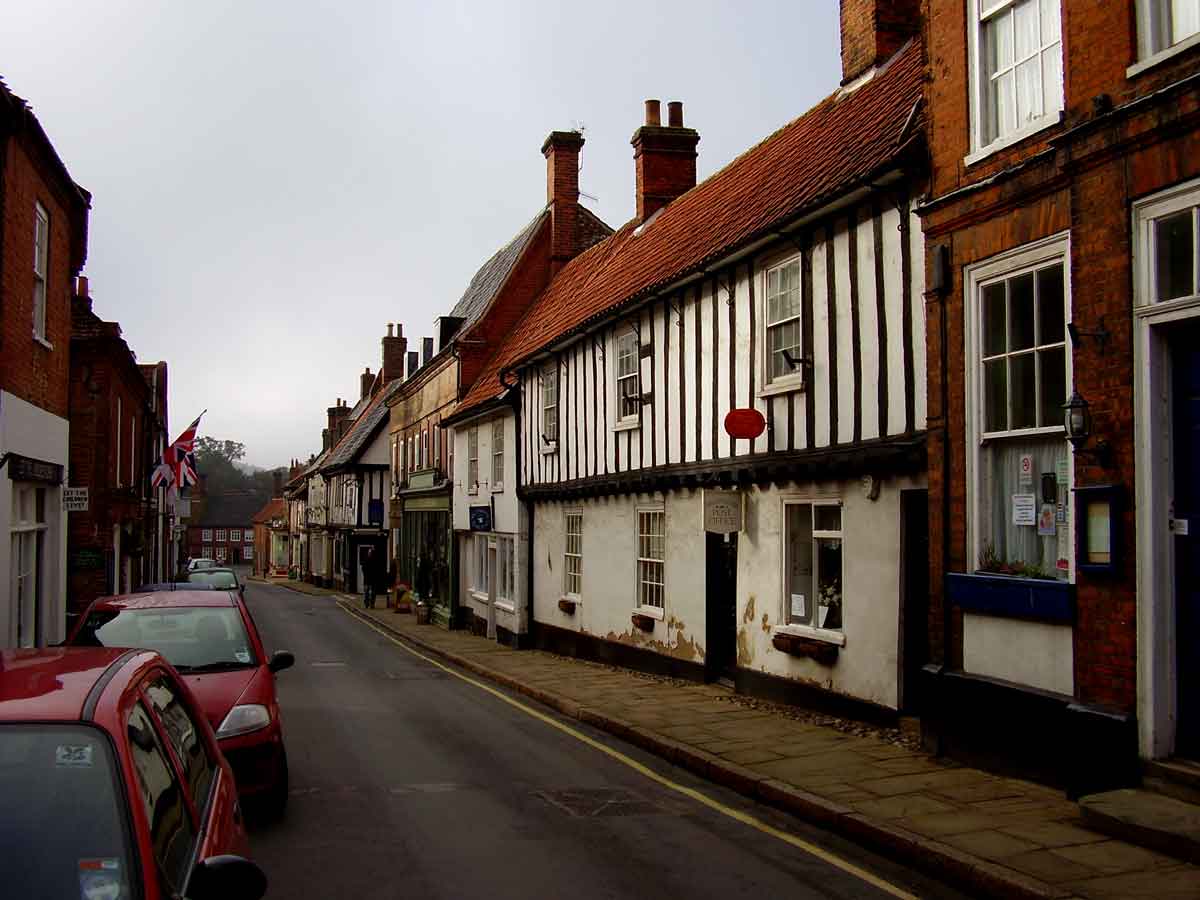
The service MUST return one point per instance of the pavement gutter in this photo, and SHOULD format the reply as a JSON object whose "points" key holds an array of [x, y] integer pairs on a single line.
{"points": [[960, 869]]}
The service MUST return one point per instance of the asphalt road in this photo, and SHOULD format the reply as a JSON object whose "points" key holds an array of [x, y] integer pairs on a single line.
{"points": [[409, 782]]}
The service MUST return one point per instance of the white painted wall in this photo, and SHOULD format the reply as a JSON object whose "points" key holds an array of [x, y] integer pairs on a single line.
{"points": [[1046, 659], [32, 431], [505, 499]]}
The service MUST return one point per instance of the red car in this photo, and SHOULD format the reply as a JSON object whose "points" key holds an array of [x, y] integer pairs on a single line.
{"points": [[210, 639], [112, 782]]}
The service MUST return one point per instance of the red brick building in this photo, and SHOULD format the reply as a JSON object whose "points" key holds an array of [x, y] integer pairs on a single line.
{"points": [[271, 538], [222, 527], [1061, 264], [43, 244], [118, 426]]}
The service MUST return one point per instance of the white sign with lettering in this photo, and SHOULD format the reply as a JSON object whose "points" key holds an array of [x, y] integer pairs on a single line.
{"points": [[75, 499], [722, 511]]}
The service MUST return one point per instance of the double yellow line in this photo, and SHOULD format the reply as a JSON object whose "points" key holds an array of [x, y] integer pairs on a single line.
{"points": [[745, 818]]}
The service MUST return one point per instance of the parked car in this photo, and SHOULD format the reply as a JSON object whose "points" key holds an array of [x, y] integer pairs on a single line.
{"points": [[112, 782], [210, 638], [220, 579], [201, 563]]}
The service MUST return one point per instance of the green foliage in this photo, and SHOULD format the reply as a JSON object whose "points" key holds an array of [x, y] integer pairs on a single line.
{"points": [[211, 448], [993, 563], [215, 460]]}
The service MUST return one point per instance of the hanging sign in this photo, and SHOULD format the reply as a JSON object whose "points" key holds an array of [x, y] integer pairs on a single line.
{"points": [[481, 518], [75, 499], [722, 511], [746, 424]]}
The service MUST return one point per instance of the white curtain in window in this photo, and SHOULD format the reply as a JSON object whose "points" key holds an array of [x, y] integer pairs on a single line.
{"points": [[999, 481]]}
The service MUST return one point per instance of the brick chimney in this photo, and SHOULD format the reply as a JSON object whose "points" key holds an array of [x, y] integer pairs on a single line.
{"points": [[365, 380], [414, 363], [426, 350], [665, 158], [324, 439], [873, 30], [337, 421], [394, 348], [277, 478], [561, 150]]}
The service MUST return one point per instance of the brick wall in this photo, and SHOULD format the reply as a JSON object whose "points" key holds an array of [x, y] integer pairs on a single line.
{"points": [[872, 30], [1085, 184]]}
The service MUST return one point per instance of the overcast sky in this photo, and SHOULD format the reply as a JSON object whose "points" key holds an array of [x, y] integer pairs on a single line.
{"points": [[274, 182]]}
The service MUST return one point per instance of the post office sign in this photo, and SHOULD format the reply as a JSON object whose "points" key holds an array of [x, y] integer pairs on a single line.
{"points": [[722, 511]]}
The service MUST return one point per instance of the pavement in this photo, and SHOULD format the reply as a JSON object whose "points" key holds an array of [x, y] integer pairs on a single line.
{"points": [[993, 836]]}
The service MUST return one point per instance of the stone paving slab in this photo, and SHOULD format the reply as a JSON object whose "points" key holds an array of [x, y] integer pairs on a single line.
{"points": [[993, 835]]}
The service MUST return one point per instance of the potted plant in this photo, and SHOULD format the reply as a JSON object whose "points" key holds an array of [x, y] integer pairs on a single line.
{"points": [[829, 604]]}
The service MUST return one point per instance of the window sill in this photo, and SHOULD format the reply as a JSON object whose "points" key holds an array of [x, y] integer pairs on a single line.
{"points": [[1007, 596], [41, 340], [627, 425], [472, 492], [1014, 138], [567, 604], [653, 612], [825, 635], [1162, 56], [497, 489], [548, 448], [505, 606], [478, 596], [794, 385]]}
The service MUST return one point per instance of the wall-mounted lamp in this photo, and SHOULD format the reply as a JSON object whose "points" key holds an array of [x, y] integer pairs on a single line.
{"points": [[1076, 333], [1077, 419]]}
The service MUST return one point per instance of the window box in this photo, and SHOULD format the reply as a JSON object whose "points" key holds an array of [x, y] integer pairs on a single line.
{"points": [[797, 645], [567, 605], [643, 621], [1043, 599]]}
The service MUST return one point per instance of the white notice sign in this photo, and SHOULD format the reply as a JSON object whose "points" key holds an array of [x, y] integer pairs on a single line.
{"points": [[75, 499], [1026, 474], [798, 611], [1024, 509], [722, 511]]}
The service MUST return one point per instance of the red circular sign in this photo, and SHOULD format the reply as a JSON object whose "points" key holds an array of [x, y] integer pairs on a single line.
{"points": [[744, 423]]}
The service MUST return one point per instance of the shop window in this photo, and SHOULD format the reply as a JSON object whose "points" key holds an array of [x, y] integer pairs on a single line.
{"points": [[26, 564], [813, 564]]}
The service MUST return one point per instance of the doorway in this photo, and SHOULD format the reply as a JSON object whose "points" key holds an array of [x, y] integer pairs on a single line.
{"points": [[914, 601], [720, 605], [1185, 528]]}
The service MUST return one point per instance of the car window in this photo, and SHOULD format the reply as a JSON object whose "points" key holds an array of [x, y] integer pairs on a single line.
{"points": [[64, 826], [185, 735], [192, 638], [171, 830], [216, 577]]}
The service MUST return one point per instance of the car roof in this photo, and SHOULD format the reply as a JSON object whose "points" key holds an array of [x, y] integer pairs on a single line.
{"points": [[51, 684], [167, 599]]}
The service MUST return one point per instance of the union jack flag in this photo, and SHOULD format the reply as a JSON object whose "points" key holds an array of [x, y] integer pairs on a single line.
{"points": [[178, 467]]}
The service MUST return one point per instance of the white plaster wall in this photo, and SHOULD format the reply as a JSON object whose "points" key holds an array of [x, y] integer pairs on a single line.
{"points": [[31, 431], [506, 503], [609, 594], [1030, 653]]}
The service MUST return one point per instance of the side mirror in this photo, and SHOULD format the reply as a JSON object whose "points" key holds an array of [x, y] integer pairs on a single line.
{"points": [[226, 878], [280, 660]]}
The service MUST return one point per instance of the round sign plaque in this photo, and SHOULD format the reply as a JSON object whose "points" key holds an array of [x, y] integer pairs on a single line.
{"points": [[744, 423]]}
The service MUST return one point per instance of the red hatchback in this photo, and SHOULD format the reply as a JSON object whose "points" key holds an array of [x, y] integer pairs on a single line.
{"points": [[210, 639], [112, 782]]}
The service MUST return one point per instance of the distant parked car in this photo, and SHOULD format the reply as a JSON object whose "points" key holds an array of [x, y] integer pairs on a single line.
{"points": [[211, 640], [220, 579], [112, 782], [201, 563]]}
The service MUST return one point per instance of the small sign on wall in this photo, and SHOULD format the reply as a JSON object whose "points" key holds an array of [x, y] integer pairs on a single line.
{"points": [[481, 518], [75, 499], [722, 511]]}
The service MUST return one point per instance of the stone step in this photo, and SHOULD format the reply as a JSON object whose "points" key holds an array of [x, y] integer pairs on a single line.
{"points": [[1178, 778], [1147, 819]]}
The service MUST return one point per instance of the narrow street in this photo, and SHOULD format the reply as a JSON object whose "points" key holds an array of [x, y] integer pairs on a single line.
{"points": [[409, 782]]}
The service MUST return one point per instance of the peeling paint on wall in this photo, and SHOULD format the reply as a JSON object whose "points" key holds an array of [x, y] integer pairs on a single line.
{"points": [[766, 623], [748, 615], [745, 648]]}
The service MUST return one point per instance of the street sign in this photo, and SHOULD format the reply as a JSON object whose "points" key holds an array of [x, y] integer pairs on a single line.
{"points": [[722, 511], [75, 499]]}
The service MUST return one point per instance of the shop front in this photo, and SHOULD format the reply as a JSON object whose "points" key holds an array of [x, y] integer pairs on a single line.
{"points": [[422, 547]]}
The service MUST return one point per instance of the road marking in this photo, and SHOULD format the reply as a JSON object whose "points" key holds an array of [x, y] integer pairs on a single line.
{"points": [[745, 818]]}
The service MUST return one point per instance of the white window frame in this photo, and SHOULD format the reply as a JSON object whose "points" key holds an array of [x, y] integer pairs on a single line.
{"points": [[235, 535], [1153, 45], [222, 554], [573, 554], [206, 552], [118, 431], [424, 448], [549, 389], [473, 459], [247, 552], [979, 11], [506, 573], [829, 635], [497, 455], [626, 347], [1037, 254], [220, 536], [645, 587], [206, 535], [27, 530], [1179, 199], [133, 479], [41, 271], [479, 566], [794, 380]]}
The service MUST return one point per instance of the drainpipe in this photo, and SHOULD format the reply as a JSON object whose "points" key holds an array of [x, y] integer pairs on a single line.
{"points": [[514, 399]]}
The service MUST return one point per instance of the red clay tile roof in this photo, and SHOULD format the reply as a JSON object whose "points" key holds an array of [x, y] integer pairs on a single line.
{"points": [[276, 508], [814, 159]]}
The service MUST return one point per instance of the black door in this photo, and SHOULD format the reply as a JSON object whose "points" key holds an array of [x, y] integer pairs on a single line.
{"points": [[914, 549], [1185, 361], [721, 605]]}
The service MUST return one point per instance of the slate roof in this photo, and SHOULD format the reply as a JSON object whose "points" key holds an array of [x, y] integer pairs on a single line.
{"points": [[234, 509], [365, 425], [492, 274], [835, 146]]}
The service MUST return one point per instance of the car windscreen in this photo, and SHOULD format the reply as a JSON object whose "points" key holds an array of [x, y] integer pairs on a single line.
{"points": [[219, 578], [197, 638], [64, 828]]}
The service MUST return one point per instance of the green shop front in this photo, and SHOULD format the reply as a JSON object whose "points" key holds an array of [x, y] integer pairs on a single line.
{"points": [[423, 546]]}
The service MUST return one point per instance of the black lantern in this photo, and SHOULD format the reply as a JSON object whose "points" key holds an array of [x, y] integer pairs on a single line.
{"points": [[1077, 420]]}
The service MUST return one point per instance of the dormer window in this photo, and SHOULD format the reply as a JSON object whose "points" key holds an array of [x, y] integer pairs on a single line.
{"points": [[627, 382]]}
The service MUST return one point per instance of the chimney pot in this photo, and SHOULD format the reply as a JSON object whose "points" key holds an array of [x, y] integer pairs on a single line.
{"points": [[675, 114], [426, 350], [390, 327], [653, 113], [664, 160], [81, 286], [414, 362]]}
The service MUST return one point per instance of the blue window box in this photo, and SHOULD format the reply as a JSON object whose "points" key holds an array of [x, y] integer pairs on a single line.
{"points": [[1019, 598]]}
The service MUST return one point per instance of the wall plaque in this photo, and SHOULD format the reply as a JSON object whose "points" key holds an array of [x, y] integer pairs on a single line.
{"points": [[722, 511]]}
